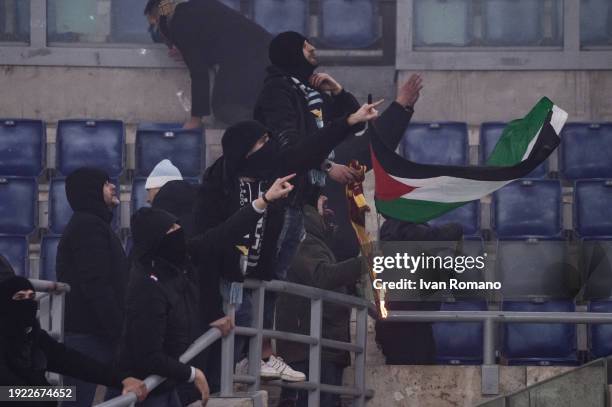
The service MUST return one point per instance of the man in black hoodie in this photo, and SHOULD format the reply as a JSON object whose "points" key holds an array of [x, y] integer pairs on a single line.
{"points": [[91, 259], [162, 302], [208, 33], [27, 352]]}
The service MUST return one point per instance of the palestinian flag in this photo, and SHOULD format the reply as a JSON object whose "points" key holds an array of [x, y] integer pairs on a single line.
{"points": [[417, 193]]}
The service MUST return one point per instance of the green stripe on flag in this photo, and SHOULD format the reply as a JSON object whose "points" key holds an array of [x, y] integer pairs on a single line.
{"points": [[410, 210], [518, 134]]}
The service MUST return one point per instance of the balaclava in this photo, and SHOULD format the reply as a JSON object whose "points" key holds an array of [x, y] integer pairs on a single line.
{"points": [[17, 316], [286, 52], [237, 141], [84, 191]]}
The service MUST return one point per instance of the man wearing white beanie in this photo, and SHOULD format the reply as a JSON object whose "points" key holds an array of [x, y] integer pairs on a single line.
{"points": [[163, 172]]}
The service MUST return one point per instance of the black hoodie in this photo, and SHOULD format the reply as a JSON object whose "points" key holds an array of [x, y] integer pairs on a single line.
{"points": [[27, 354], [178, 198], [91, 259]]}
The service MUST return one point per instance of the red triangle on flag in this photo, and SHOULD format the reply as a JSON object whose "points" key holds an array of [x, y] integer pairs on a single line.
{"points": [[387, 188]]}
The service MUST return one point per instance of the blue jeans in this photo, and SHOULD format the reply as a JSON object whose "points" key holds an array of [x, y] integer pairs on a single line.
{"points": [[289, 240], [95, 347], [331, 373]]}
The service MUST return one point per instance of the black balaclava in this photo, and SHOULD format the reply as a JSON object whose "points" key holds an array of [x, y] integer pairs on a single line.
{"points": [[287, 53], [16, 316], [84, 191], [237, 141], [173, 248]]}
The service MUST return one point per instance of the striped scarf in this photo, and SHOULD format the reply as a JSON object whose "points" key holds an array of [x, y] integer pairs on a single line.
{"points": [[314, 100]]}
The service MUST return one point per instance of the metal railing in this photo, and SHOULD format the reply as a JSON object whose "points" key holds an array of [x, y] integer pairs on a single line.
{"points": [[51, 298], [490, 370]]}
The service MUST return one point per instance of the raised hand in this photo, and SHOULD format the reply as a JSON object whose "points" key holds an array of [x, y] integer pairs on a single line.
{"points": [[409, 92], [280, 189], [366, 112], [325, 83]]}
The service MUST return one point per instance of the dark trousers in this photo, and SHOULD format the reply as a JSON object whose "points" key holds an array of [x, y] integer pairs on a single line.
{"points": [[97, 348], [331, 373], [166, 399]]}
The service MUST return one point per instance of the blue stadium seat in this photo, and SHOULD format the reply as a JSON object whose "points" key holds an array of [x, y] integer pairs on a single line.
{"points": [[90, 143], [529, 268], [600, 335], [22, 147], [490, 134], [277, 16], [528, 208], [349, 23], [467, 215], [586, 150], [60, 211], [183, 147], [18, 205], [459, 343], [15, 250], [593, 208], [436, 143], [512, 22], [539, 344], [48, 252], [122, 20]]}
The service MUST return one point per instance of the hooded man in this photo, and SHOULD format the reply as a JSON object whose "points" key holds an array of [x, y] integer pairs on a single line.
{"points": [[91, 259], [163, 315], [208, 34], [315, 265], [27, 352], [297, 105]]}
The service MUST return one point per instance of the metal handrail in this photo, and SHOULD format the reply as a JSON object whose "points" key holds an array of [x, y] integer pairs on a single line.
{"points": [[49, 286]]}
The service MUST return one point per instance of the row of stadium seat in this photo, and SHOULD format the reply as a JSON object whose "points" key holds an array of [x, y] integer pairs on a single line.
{"points": [[98, 144], [525, 208], [585, 150]]}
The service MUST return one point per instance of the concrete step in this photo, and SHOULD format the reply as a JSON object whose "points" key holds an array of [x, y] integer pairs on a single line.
{"points": [[257, 399]]}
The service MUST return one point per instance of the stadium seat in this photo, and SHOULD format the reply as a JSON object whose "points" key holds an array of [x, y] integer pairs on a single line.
{"points": [[349, 23], [490, 134], [467, 215], [539, 344], [60, 211], [586, 150], [90, 143], [18, 205], [459, 343], [15, 250], [183, 147], [277, 16], [512, 22], [529, 268], [593, 208], [22, 147], [600, 335], [48, 252], [436, 143], [528, 208]]}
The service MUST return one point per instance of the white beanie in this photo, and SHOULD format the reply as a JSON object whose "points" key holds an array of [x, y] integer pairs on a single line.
{"points": [[163, 172]]}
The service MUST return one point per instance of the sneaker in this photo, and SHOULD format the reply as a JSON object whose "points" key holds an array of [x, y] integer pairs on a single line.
{"points": [[284, 370], [266, 372]]}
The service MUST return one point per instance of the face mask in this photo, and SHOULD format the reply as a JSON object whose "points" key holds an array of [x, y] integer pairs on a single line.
{"points": [[173, 248], [155, 34], [21, 315], [261, 163]]}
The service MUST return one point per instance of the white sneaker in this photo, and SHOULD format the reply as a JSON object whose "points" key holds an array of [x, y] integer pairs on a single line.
{"points": [[284, 370], [266, 372]]}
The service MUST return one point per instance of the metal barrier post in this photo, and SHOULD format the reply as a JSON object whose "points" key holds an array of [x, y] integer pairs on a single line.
{"points": [[489, 370], [227, 356], [257, 300], [58, 301], [314, 360], [361, 338]]}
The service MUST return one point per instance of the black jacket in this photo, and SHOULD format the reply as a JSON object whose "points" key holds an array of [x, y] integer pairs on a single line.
{"points": [[315, 265], [284, 110], [209, 33], [45, 354], [163, 304], [91, 259], [391, 126]]}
